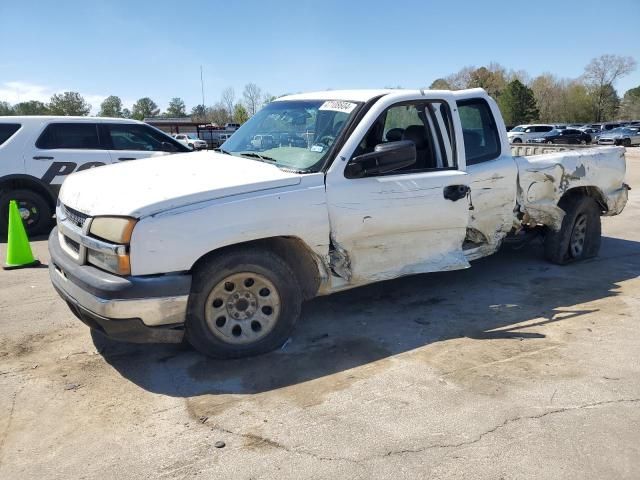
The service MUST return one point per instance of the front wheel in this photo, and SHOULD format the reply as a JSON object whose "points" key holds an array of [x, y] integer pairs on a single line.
{"points": [[242, 303], [517, 140], [626, 142], [34, 209], [580, 233]]}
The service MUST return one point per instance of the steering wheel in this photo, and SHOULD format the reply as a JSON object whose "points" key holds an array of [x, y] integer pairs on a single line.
{"points": [[327, 140]]}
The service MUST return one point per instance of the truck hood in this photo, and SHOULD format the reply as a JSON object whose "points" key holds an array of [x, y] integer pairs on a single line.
{"points": [[144, 187]]}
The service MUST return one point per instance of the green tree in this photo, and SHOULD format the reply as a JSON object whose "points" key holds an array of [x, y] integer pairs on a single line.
{"points": [[144, 108], [606, 103], [518, 104], [6, 109], [199, 113], [240, 114], [577, 104], [440, 84], [492, 79], [630, 108], [176, 109], [68, 103], [32, 107], [126, 113], [111, 107]]}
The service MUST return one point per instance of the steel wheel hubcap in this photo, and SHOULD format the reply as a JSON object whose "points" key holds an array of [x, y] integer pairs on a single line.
{"points": [[578, 236], [243, 308]]}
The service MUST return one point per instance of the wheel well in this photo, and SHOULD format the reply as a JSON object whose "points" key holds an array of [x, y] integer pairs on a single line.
{"points": [[593, 192], [25, 183], [292, 250]]}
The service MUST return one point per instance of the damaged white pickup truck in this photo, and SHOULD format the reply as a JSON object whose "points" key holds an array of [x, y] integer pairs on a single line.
{"points": [[316, 193]]}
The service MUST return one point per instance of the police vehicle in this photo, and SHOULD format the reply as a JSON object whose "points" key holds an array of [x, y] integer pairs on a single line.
{"points": [[37, 153]]}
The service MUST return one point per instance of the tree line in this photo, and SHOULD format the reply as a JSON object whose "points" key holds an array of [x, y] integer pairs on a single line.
{"points": [[227, 110], [592, 97]]}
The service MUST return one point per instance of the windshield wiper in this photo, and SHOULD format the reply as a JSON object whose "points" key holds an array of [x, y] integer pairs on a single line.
{"points": [[258, 156], [221, 151]]}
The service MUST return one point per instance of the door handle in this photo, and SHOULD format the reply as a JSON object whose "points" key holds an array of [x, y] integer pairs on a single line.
{"points": [[455, 192], [122, 159], [40, 157]]}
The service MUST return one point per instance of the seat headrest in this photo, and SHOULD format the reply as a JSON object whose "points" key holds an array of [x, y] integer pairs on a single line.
{"points": [[417, 134], [394, 135]]}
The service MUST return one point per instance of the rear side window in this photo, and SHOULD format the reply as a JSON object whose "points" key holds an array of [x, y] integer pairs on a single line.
{"points": [[481, 137], [69, 135], [7, 130]]}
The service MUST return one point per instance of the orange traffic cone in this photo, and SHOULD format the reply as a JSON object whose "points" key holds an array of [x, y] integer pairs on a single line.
{"points": [[19, 253]]}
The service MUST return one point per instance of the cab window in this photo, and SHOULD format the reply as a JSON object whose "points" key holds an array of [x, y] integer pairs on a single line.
{"points": [[426, 124], [481, 137], [7, 130]]}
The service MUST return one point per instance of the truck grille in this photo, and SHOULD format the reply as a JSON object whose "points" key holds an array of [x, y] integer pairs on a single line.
{"points": [[74, 216], [72, 244]]}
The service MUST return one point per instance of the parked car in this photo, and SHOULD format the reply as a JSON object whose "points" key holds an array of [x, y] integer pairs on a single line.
{"points": [[190, 140], [225, 251], [38, 153], [231, 126], [568, 136], [523, 133], [626, 136]]}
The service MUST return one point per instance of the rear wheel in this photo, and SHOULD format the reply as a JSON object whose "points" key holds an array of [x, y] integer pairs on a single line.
{"points": [[34, 209], [549, 142], [241, 304], [517, 140], [626, 142], [579, 235]]}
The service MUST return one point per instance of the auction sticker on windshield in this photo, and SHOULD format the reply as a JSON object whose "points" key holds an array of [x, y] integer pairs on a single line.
{"points": [[338, 106]]}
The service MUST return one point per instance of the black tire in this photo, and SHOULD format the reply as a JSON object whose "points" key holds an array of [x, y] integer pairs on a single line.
{"points": [[218, 269], [560, 247], [626, 142], [41, 212], [517, 140]]}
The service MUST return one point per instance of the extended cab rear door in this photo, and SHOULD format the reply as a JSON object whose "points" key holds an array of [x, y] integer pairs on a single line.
{"points": [[387, 225], [63, 147], [493, 172], [131, 141]]}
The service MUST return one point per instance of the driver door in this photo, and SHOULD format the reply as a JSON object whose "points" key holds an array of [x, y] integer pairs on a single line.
{"points": [[389, 225]]}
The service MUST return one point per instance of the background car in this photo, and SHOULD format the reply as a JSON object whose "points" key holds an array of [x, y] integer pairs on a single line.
{"points": [[191, 141], [566, 136], [626, 136], [523, 133]]}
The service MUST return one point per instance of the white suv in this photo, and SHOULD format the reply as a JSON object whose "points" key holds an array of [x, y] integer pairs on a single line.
{"points": [[524, 133], [191, 141], [38, 153]]}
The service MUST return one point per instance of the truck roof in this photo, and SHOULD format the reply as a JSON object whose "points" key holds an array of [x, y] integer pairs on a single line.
{"points": [[353, 95]]}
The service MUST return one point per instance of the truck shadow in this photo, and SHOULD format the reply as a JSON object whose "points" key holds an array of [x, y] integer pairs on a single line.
{"points": [[361, 326]]}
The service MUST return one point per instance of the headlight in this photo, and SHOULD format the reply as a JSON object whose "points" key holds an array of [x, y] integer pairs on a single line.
{"points": [[113, 229]]}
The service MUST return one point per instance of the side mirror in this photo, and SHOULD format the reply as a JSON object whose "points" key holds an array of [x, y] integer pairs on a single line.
{"points": [[386, 157], [168, 147]]}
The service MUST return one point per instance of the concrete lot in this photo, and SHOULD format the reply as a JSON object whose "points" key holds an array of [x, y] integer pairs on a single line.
{"points": [[515, 368]]}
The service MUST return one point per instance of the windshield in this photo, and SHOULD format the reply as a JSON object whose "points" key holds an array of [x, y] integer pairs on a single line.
{"points": [[518, 129], [550, 133], [294, 134], [618, 130], [192, 137]]}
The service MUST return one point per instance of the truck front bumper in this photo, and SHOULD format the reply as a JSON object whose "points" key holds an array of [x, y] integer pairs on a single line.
{"points": [[143, 309]]}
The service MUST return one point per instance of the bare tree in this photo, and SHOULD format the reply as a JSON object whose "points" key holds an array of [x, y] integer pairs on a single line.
{"points": [[600, 76], [228, 99], [252, 95]]}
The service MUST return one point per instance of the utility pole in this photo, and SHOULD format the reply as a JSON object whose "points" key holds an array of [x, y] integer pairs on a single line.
{"points": [[202, 87]]}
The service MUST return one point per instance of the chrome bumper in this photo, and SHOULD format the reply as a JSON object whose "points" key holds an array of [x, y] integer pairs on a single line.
{"points": [[152, 311]]}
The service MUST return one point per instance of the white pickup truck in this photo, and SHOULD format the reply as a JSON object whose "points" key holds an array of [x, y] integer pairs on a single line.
{"points": [[222, 248]]}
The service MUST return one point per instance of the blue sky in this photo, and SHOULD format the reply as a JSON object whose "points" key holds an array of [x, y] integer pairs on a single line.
{"points": [[155, 48]]}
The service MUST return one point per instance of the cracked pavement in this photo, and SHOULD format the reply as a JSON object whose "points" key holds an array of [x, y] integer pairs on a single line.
{"points": [[513, 369]]}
